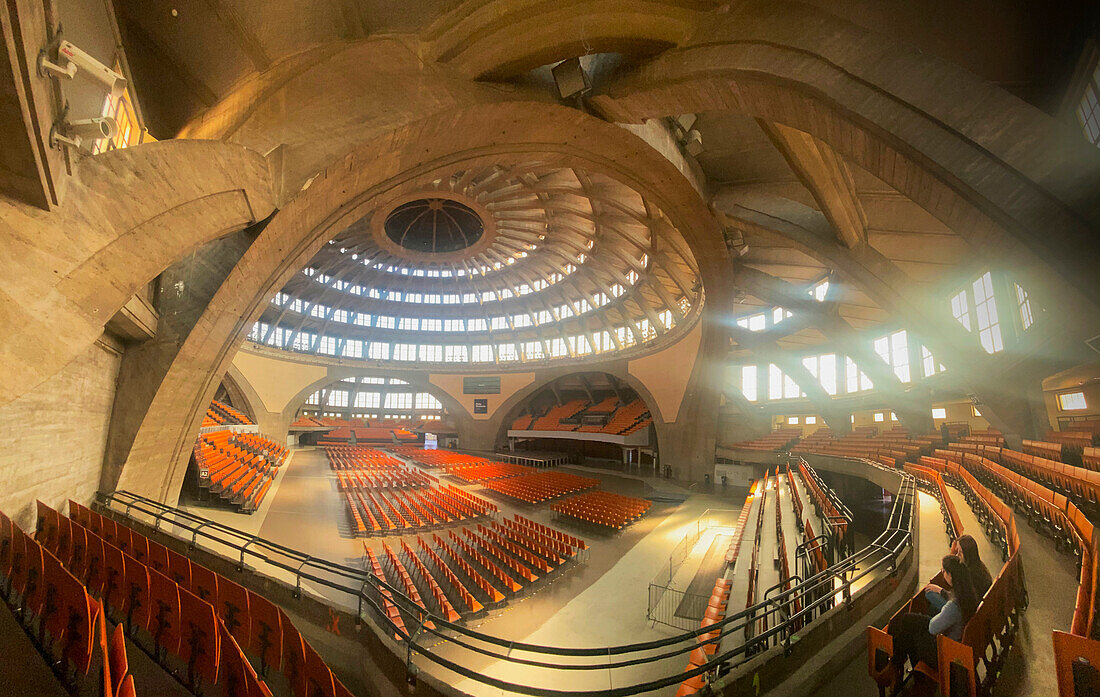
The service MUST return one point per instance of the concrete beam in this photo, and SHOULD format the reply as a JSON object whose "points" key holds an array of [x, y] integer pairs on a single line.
{"points": [[826, 176]]}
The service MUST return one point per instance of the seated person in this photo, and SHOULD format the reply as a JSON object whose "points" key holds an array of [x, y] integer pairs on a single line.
{"points": [[966, 548], [914, 633]]}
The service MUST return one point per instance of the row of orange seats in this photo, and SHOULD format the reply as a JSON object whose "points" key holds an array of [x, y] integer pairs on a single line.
{"points": [[779, 439], [551, 534], [238, 467], [203, 617], [396, 510], [541, 486], [436, 458], [709, 642], [72, 628], [484, 471], [603, 508], [360, 457], [1060, 517], [376, 479], [626, 417], [230, 415], [734, 549], [825, 508], [971, 665]]}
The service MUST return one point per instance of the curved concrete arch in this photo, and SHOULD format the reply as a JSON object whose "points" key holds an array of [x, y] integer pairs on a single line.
{"points": [[1016, 184], [242, 393], [406, 157], [67, 272], [501, 38], [307, 111]]}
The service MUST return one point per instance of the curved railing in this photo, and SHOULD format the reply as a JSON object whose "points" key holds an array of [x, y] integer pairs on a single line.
{"points": [[815, 595]]}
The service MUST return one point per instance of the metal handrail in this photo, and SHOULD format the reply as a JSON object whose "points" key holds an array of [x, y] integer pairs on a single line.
{"points": [[815, 593]]}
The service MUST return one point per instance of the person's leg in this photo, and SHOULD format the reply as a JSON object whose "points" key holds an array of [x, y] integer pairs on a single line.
{"points": [[924, 649], [907, 630]]}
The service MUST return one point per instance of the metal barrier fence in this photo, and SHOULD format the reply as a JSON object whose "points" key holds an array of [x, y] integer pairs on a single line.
{"points": [[670, 605], [612, 669], [676, 608]]}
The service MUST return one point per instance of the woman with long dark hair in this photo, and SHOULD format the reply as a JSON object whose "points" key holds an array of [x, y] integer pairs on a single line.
{"points": [[915, 633], [966, 548]]}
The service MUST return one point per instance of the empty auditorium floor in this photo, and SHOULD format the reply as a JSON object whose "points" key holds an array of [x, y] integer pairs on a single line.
{"points": [[602, 601]]}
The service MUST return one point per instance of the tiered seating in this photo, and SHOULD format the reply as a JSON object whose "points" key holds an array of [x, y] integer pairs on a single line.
{"points": [[753, 626], [826, 509], [523, 422], [928, 472], [551, 420], [778, 440], [37, 582], [485, 471], [541, 486], [890, 448], [1075, 438], [781, 550], [984, 438], [603, 508], [202, 619], [973, 664], [627, 418], [734, 548], [238, 467], [1090, 458], [1051, 451], [709, 642], [306, 422]]}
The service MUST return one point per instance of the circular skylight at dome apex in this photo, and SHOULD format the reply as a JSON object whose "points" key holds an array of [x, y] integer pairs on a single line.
{"points": [[434, 225]]}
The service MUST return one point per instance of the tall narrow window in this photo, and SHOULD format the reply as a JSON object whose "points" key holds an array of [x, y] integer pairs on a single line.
{"points": [[855, 379], [1024, 303], [748, 382], [775, 382], [894, 349], [1088, 110], [927, 362], [827, 373], [985, 310], [960, 309]]}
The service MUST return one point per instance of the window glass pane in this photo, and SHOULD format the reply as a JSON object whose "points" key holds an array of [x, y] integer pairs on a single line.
{"points": [[939, 413], [748, 382], [1072, 401]]}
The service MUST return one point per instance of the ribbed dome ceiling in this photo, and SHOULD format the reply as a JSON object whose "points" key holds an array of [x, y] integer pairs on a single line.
{"points": [[493, 265]]}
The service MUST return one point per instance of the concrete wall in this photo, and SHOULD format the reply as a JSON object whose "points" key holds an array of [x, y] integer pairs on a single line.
{"points": [[52, 438], [1084, 378]]}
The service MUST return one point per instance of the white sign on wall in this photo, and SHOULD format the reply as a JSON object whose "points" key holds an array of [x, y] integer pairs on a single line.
{"points": [[430, 441], [736, 475]]}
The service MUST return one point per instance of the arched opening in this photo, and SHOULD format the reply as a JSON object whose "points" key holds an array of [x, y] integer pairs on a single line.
{"points": [[594, 418], [372, 409]]}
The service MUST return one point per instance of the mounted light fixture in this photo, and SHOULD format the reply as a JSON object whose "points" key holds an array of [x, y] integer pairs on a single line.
{"points": [[570, 78]]}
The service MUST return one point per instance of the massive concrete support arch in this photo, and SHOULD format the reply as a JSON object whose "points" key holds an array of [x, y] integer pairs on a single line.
{"points": [[1014, 183], [125, 217], [406, 157]]}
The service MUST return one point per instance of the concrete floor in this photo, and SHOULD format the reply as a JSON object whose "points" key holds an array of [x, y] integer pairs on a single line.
{"points": [[602, 601]]}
